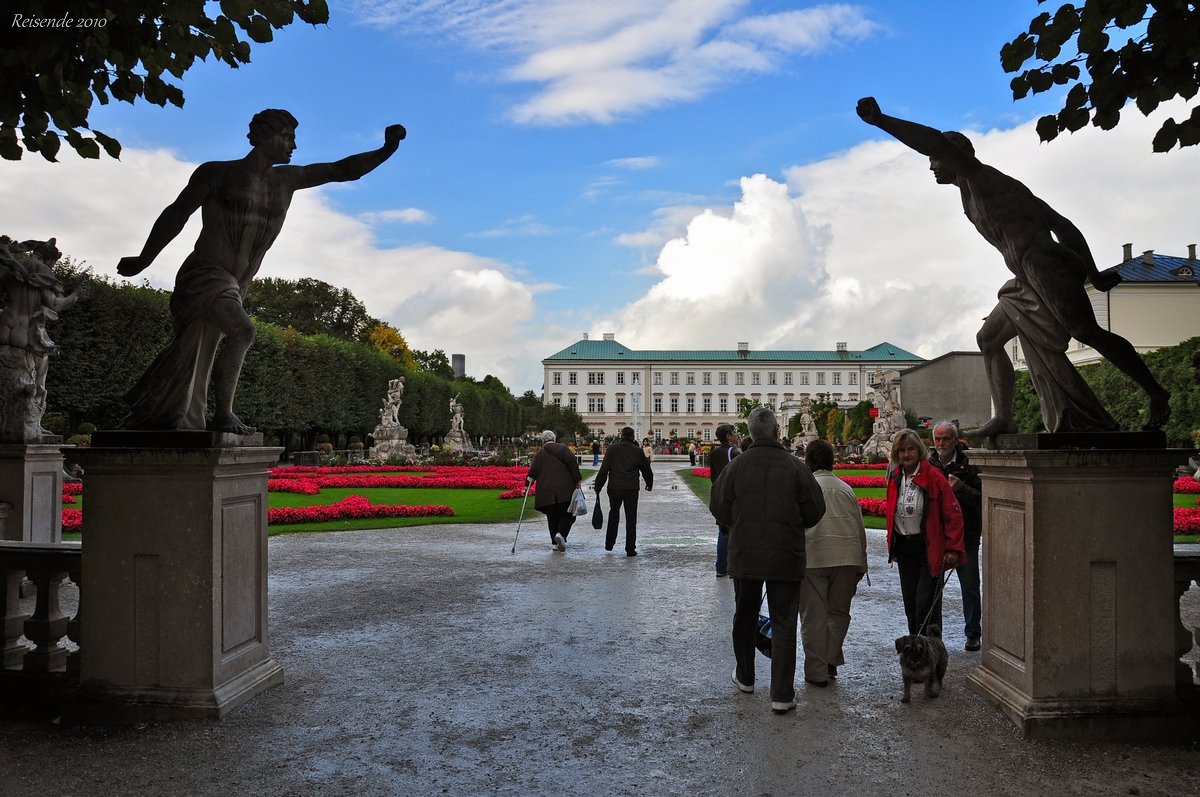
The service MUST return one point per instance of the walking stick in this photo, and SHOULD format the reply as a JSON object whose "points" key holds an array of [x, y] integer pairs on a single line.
{"points": [[528, 484]]}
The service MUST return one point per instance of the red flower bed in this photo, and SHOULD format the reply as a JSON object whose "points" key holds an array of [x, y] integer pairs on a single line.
{"points": [[863, 466], [873, 506], [72, 520], [67, 498], [1187, 484], [490, 477], [72, 488], [300, 486], [703, 473], [351, 507], [1187, 521], [864, 481]]}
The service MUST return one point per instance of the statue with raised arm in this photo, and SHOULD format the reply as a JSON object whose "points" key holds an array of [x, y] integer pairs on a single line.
{"points": [[1045, 303], [242, 204]]}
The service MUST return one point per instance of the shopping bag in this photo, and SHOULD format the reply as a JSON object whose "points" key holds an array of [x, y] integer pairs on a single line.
{"points": [[597, 515], [578, 506]]}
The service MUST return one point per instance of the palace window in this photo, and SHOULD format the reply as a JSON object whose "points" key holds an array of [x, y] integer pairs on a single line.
{"points": [[658, 377], [706, 378], [707, 404], [620, 377], [837, 377], [556, 378], [658, 404], [595, 377], [572, 378], [739, 378], [756, 378], [723, 378], [691, 404], [674, 377], [787, 377], [620, 403], [804, 377]]}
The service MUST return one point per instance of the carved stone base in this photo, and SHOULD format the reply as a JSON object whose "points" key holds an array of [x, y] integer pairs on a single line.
{"points": [[1079, 605], [174, 620], [31, 478]]}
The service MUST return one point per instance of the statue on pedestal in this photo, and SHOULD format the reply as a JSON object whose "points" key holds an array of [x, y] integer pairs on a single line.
{"points": [[391, 439], [243, 204], [33, 297], [456, 438], [1045, 304], [889, 418]]}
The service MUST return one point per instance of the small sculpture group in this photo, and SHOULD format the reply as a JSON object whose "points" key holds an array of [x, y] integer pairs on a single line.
{"points": [[391, 439]]}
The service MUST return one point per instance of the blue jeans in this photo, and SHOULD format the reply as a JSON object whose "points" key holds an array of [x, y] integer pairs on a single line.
{"points": [[722, 549], [968, 580]]}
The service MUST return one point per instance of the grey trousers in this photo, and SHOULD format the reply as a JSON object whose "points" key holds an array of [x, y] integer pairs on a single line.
{"points": [[825, 596]]}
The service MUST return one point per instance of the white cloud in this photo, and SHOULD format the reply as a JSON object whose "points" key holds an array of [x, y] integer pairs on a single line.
{"points": [[525, 225], [598, 62], [865, 247], [636, 163], [402, 215], [439, 298]]}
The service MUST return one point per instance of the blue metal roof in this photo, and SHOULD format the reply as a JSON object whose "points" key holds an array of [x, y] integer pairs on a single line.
{"points": [[613, 350], [1163, 268]]}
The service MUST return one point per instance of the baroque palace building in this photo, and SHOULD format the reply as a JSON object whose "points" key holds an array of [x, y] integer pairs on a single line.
{"points": [[684, 393]]}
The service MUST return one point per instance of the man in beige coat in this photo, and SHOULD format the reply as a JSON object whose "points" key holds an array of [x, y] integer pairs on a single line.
{"points": [[836, 552]]}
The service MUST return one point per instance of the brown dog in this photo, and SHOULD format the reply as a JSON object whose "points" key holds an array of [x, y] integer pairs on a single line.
{"points": [[923, 659]]}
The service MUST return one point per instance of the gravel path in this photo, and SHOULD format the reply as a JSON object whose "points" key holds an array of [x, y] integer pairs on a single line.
{"points": [[430, 660]]}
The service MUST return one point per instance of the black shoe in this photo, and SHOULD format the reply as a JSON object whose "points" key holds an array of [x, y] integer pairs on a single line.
{"points": [[816, 683], [631, 553], [832, 670], [721, 574], [973, 643]]}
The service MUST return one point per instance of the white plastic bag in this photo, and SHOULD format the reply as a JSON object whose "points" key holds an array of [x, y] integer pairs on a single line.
{"points": [[578, 505]]}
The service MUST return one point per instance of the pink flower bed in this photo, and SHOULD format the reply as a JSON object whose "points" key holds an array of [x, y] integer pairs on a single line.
{"points": [[351, 507], [864, 481], [1187, 484], [72, 520], [873, 506], [1187, 521], [300, 486]]}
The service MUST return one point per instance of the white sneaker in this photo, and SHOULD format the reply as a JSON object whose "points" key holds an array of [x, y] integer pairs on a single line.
{"points": [[560, 544], [782, 708], [740, 685]]}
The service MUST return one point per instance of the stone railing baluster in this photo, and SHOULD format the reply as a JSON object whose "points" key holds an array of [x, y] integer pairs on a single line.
{"points": [[46, 566]]}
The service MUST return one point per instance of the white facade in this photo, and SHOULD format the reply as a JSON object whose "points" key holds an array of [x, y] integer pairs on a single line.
{"points": [[688, 393]]}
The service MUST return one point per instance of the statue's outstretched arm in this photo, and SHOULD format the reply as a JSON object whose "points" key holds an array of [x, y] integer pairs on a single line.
{"points": [[170, 222], [352, 167], [925, 140]]}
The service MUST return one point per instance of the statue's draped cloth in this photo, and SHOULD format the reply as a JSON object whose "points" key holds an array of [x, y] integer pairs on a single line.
{"points": [[1068, 404], [173, 393]]}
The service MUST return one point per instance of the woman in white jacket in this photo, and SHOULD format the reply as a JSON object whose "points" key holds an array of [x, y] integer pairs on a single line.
{"points": [[836, 552]]}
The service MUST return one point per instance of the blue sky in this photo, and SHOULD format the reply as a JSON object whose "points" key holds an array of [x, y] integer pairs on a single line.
{"points": [[684, 174]]}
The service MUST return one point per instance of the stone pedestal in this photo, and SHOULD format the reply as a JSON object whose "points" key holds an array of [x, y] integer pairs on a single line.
{"points": [[174, 608], [1079, 609], [31, 479]]}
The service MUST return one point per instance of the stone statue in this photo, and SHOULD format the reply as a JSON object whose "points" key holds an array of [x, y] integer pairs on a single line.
{"points": [[243, 204], [1045, 304], [456, 439], [391, 439], [34, 296], [889, 417], [808, 427]]}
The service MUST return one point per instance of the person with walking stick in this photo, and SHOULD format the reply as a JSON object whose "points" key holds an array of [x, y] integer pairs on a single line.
{"points": [[556, 472]]}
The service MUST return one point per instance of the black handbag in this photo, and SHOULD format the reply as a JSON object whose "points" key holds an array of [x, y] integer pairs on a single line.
{"points": [[597, 514], [762, 639]]}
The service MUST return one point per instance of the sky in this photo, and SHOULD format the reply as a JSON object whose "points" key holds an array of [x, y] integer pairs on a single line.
{"points": [[684, 174]]}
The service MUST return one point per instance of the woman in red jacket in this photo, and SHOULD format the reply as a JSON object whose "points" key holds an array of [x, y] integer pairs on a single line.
{"points": [[924, 529]]}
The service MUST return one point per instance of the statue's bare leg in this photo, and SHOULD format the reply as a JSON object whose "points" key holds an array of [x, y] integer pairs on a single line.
{"points": [[231, 319], [997, 330], [1080, 320]]}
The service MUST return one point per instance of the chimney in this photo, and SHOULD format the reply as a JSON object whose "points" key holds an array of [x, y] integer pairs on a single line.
{"points": [[610, 336], [841, 346], [1191, 251], [1127, 252], [1148, 257], [585, 336], [743, 349]]}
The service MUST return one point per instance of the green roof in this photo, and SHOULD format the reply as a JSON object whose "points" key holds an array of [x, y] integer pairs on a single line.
{"points": [[613, 350]]}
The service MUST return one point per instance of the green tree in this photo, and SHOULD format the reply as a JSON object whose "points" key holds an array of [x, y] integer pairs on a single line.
{"points": [[831, 424], [861, 422], [309, 306], [1123, 50], [435, 362], [122, 50]]}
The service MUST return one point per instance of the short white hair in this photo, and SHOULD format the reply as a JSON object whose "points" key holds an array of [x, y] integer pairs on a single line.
{"points": [[762, 424], [549, 436]]}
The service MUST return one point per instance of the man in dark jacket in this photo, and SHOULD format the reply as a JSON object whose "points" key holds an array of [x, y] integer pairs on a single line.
{"points": [[949, 455], [720, 456], [623, 462], [766, 497]]}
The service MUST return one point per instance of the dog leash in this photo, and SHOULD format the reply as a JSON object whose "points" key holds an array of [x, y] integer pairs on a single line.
{"points": [[942, 581]]}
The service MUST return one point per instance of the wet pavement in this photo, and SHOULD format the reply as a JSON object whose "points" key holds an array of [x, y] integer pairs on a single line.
{"points": [[430, 660]]}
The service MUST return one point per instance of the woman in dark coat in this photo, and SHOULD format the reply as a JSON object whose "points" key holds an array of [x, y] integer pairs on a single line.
{"points": [[556, 472]]}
